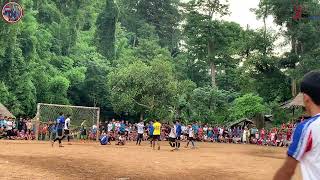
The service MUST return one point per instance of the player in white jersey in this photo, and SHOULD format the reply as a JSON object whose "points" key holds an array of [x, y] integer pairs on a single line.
{"points": [[67, 127], [305, 146], [172, 136], [140, 127]]}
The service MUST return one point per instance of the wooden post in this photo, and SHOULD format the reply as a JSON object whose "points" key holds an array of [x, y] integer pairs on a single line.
{"points": [[98, 124], [37, 119]]}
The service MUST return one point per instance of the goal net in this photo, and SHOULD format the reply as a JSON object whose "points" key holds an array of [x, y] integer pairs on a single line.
{"points": [[79, 114]]}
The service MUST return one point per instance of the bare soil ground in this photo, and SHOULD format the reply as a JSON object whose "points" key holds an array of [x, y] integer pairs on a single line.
{"points": [[210, 161]]}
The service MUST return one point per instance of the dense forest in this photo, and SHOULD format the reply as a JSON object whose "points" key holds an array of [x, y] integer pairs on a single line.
{"points": [[155, 58]]}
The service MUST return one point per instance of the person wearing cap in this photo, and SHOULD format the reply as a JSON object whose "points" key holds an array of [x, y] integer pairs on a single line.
{"points": [[305, 146]]}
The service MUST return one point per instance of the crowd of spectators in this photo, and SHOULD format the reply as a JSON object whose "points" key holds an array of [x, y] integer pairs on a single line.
{"points": [[24, 129]]}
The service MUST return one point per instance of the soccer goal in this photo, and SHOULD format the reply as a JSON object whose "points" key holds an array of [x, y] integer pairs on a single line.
{"points": [[79, 114]]}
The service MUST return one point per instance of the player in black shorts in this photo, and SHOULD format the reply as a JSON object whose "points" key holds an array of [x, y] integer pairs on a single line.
{"points": [[67, 127]]}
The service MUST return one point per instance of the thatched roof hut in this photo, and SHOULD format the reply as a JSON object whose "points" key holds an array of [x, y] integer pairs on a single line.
{"points": [[4, 111], [240, 122], [296, 102]]}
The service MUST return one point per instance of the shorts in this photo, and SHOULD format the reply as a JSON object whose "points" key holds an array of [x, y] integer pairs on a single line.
{"points": [[178, 138], [9, 133], [140, 136], [190, 138], [66, 132], [84, 132], [172, 139], [156, 137], [60, 132], [150, 137]]}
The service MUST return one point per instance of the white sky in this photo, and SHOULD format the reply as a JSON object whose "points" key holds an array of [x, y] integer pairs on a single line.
{"points": [[241, 14]]}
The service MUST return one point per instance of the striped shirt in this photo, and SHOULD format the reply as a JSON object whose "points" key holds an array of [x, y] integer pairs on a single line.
{"points": [[305, 147]]}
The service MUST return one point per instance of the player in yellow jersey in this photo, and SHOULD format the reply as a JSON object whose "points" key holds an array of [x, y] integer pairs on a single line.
{"points": [[156, 134]]}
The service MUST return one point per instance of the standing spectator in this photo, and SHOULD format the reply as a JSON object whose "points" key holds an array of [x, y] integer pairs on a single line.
{"points": [[20, 124], [1, 121], [9, 128], [244, 135], [122, 128], [29, 126]]}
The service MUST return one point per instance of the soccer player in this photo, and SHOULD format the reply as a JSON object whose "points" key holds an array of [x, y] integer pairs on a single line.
{"points": [[178, 132], [60, 124], [67, 128], [156, 134], [150, 131], [305, 148], [172, 136], [190, 137], [140, 127], [104, 139]]}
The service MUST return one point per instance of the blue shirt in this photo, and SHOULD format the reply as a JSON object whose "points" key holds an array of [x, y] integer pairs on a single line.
{"points": [[104, 139], [195, 128], [178, 130], [151, 129], [122, 127], [1, 122], [60, 122]]}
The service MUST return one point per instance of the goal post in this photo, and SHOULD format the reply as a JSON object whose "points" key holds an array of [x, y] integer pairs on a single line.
{"points": [[79, 114]]}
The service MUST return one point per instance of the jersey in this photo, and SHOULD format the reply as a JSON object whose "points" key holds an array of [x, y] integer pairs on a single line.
{"points": [[191, 132], [172, 133], [178, 130], [67, 124], [140, 127], [60, 122], [150, 129], [157, 128], [305, 147], [104, 139]]}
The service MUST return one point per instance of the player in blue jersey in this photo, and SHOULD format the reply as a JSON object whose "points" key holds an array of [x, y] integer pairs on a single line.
{"points": [[150, 131], [60, 123], [178, 131]]}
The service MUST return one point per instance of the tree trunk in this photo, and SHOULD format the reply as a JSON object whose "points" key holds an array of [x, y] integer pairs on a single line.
{"points": [[212, 65], [141, 116], [213, 74], [293, 80], [293, 87]]}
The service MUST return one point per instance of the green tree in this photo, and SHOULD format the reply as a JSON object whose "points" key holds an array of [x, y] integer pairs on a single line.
{"points": [[106, 29], [210, 105], [140, 88], [210, 42], [247, 106]]}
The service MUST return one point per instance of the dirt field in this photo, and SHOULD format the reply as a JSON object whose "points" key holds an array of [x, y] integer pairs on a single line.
{"points": [[38, 160]]}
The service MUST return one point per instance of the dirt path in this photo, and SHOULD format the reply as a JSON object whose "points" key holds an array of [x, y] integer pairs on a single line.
{"points": [[38, 160]]}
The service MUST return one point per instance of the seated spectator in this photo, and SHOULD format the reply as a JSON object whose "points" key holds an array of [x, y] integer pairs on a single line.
{"points": [[3, 133], [121, 140]]}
